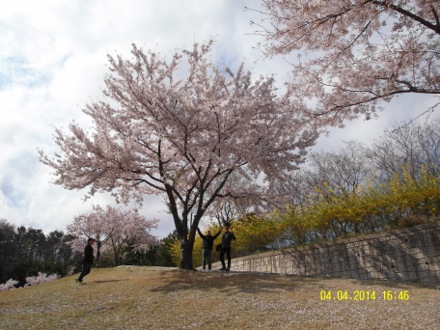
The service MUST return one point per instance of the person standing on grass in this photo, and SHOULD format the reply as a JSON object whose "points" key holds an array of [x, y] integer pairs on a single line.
{"points": [[208, 243], [87, 261], [227, 238]]}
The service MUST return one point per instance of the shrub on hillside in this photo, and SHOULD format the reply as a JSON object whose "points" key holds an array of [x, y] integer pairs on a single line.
{"points": [[40, 278], [9, 285]]}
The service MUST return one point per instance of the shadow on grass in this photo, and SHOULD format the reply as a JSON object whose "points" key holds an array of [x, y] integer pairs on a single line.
{"points": [[253, 282], [107, 281], [230, 282]]}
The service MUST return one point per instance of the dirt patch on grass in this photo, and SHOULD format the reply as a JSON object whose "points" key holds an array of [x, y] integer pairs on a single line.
{"points": [[162, 298]]}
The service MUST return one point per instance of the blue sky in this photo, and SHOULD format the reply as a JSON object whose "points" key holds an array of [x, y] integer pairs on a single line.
{"points": [[53, 61]]}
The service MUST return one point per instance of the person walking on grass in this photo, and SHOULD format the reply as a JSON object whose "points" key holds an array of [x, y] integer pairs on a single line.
{"points": [[87, 260], [227, 238], [208, 243]]}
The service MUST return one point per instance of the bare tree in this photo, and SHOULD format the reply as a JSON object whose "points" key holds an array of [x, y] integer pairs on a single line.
{"points": [[411, 145], [341, 171]]}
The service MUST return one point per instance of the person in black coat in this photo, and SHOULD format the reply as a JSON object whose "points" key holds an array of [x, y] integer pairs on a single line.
{"points": [[227, 239], [208, 243], [87, 260]]}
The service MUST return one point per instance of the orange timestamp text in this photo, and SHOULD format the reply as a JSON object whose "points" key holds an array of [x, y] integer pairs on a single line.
{"points": [[364, 295]]}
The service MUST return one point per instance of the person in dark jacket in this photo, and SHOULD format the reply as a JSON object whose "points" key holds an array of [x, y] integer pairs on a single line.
{"points": [[208, 243], [227, 238], [87, 260]]}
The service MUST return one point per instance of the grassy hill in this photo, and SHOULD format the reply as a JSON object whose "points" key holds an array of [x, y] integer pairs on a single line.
{"points": [[162, 298]]}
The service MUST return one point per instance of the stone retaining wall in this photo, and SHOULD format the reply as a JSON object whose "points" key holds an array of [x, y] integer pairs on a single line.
{"points": [[410, 254]]}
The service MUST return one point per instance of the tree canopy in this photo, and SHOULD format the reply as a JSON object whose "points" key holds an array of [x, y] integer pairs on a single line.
{"points": [[354, 53]]}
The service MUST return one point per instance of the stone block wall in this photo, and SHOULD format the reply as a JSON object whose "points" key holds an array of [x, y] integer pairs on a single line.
{"points": [[410, 254]]}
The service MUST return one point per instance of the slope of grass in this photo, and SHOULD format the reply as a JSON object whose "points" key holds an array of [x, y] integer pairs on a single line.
{"points": [[161, 298]]}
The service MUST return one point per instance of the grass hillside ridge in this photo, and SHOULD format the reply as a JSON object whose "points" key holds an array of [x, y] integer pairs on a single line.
{"points": [[168, 298]]}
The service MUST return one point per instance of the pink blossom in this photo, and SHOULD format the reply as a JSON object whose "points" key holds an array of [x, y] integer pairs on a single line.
{"points": [[183, 128], [353, 54]]}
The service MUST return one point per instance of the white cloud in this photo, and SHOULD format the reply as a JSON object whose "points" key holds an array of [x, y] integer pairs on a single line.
{"points": [[53, 61]]}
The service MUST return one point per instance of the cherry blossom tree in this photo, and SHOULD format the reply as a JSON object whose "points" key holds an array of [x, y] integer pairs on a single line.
{"points": [[131, 230], [112, 225], [354, 53], [181, 127], [91, 225]]}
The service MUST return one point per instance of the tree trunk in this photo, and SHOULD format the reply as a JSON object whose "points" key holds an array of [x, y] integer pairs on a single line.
{"points": [[117, 258], [186, 249], [98, 254], [187, 239]]}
